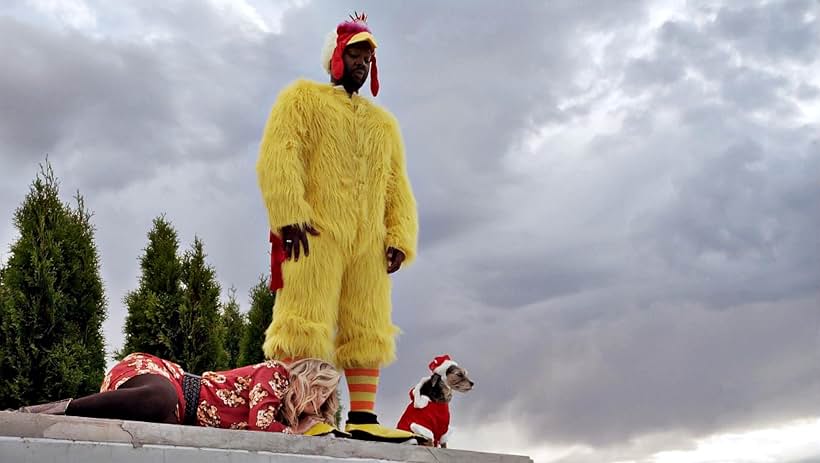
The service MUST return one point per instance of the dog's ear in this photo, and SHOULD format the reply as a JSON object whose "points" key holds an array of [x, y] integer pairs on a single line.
{"points": [[435, 380]]}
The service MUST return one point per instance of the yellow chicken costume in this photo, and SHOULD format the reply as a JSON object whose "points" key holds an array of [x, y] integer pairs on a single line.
{"points": [[335, 161]]}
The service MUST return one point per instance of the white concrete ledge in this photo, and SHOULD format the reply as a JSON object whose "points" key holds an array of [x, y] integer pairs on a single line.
{"points": [[34, 438]]}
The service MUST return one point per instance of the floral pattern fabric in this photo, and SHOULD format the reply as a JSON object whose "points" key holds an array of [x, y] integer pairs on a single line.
{"points": [[243, 398], [137, 364]]}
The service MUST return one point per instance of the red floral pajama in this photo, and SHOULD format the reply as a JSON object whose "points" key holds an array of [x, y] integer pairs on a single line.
{"points": [[243, 398]]}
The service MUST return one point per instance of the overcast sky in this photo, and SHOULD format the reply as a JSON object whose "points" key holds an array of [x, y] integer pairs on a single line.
{"points": [[619, 201]]}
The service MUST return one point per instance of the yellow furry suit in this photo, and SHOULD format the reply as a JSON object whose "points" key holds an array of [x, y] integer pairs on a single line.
{"points": [[336, 162]]}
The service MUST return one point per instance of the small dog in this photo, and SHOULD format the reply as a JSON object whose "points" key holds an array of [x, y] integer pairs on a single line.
{"points": [[428, 414]]}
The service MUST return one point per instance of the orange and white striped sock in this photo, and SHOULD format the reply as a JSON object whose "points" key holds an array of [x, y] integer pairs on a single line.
{"points": [[362, 383]]}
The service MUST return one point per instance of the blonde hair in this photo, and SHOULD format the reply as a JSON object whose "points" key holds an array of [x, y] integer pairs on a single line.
{"points": [[309, 380]]}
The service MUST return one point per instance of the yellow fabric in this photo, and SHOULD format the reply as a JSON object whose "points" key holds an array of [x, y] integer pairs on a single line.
{"points": [[362, 401], [336, 162], [380, 431], [362, 389], [323, 429], [363, 37], [363, 379], [319, 429]]}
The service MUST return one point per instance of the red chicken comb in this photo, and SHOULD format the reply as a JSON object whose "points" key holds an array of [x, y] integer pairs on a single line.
{"points": [[359, 17]]}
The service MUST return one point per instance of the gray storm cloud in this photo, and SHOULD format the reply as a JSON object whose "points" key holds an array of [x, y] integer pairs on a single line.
{"points": [[618, 216]]}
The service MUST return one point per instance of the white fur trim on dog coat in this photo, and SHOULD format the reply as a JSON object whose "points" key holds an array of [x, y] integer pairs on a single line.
{"points": [[420, 400], [421, 431]]}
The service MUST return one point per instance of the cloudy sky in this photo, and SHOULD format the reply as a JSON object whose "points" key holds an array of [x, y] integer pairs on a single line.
{"points": [[619, 201]]}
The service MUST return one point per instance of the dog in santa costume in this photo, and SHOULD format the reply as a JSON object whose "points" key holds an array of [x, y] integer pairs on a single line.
{"points": [[342, 216], [428, 413]]}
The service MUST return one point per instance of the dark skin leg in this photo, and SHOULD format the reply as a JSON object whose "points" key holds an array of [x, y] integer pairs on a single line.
{"points": [[148, 397]]}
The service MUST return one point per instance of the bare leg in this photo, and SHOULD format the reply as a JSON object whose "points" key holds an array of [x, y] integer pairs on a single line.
{"points": [[148, 397]]}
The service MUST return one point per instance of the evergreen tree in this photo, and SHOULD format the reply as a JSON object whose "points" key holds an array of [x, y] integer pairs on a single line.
{"points": [[13, 357], [259, 318], [52, 301], [152, 323], [340, 410], [233, 324], [200, 337]]}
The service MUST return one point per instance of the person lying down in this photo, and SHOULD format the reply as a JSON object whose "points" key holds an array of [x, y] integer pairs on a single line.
{"points": [[296, 398]]}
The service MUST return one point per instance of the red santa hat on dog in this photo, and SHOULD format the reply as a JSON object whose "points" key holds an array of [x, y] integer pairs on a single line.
{"points": [[440, 364], [347, 33]]}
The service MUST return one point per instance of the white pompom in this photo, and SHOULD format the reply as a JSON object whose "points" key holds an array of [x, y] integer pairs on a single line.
{"points": [[327, 51]]}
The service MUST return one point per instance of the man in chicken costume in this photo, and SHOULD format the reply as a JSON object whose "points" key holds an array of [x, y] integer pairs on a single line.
{"points": [[342, 214]]}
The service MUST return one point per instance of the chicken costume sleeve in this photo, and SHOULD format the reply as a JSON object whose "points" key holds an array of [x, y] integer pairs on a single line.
{"points": [[400, 213], [280, 166]]}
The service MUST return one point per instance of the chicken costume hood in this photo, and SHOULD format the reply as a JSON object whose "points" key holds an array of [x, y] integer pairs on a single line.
{"points": [[354, 30]]}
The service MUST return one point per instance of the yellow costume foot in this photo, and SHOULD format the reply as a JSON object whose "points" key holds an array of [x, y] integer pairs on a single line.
{"points": [[365, 426], [324, 429]]}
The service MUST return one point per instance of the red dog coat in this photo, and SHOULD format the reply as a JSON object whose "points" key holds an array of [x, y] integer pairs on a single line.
{"points": [[426, 418]]}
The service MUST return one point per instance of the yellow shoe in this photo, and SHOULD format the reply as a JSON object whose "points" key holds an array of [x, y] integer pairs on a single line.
{"points": [[365, 426], [324, 429]]}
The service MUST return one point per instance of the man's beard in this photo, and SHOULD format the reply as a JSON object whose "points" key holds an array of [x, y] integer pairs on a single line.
{"points": [[350, 81]]}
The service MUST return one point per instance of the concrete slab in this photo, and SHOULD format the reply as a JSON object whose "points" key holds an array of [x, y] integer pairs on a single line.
{"points": [[33, 438]]}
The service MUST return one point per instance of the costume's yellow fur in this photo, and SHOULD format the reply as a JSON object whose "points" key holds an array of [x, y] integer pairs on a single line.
{"points": [[336, 162]]}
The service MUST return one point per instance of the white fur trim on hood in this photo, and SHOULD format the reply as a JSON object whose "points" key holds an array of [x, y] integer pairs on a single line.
{"points": [[441, 370], [327, 51], [420, 400]]}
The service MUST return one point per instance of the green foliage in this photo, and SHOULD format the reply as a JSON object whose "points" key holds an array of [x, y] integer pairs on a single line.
{"points": [[259, 317], [174, 312], [52, 301], [152, 323], [200, 336], [339, 410], [233, 324]]}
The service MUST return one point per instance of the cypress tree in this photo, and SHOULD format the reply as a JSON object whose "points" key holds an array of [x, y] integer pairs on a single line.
{"points": [[259, 318], [233, 324], [152, 323], [200, 337], [52, 301]]}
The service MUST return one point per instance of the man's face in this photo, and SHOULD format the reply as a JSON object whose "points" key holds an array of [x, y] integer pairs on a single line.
{"points": [[357, 62]]}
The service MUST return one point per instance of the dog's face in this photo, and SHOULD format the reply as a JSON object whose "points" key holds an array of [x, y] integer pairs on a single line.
{"points": [[458, 380], [436, 389]]}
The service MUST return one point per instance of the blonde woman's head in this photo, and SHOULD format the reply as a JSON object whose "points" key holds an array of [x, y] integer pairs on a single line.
{"points": [[312, 391]]}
